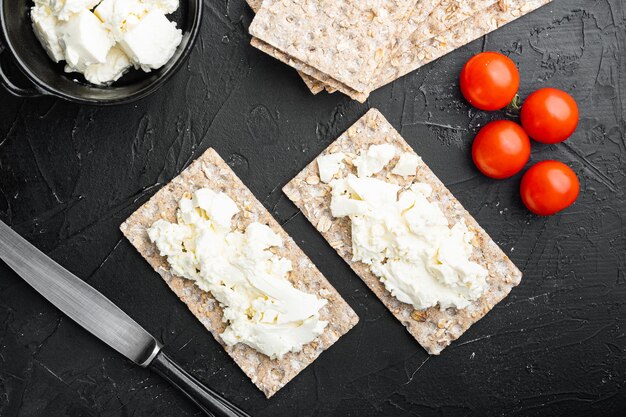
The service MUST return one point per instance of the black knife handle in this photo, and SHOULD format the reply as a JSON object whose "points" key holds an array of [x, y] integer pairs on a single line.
{"points": [[208, 400]]}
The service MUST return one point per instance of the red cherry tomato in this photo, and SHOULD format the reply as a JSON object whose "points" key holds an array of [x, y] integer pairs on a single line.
{"points": [[549, 187], [549, 115], [489, 81], [501, 149]]}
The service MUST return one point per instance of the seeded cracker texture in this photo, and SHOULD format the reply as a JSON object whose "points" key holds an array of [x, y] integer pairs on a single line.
{"points": [[255, 5], [211, 171], [303, 68], [462, 23], [315, 86], [432, 328], [448, 14], [309, 71], [317, 80], [415, 53], [422, 10], [346, 40]]}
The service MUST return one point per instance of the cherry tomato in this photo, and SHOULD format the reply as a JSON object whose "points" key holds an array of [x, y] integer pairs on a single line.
{"points": [[549, 187], [489, 81], [549, 115], [501, 149]]}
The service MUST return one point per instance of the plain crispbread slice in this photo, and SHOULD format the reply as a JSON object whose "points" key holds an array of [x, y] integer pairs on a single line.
{"points": [[432, 328], [446, 16], [315, 86], [311, 73], [255, 5], [416, 52], [347, 41], [451, 25], [211, 171], [312, 76]]}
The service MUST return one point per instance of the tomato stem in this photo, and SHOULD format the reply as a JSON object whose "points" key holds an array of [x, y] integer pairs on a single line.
{"points": [[514, 107]]}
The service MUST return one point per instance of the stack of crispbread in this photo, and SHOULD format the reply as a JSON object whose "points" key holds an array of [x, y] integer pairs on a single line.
{"points": [[358, 46]]}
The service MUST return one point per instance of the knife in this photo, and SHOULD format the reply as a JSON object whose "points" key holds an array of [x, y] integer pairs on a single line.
{"points": [[96, 313]]}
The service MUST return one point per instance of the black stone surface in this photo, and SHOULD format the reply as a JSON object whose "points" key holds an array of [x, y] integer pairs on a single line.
{"points": [[69, 175]]}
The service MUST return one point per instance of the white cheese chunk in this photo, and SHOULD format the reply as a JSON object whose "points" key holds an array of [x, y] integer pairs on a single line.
{"points": [[343, 205], [85, 41], [329, 165], [45, 28], [406, 240], [407, 164], [218, 206], [64, 9], [115, 66], [152, 41], [166, 6], [261, 306], [121, 15], [102, 44], [374, 159]]}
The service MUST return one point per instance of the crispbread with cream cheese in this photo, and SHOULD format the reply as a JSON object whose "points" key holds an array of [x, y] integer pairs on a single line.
{"points": [[212, 172], [432, 328]]}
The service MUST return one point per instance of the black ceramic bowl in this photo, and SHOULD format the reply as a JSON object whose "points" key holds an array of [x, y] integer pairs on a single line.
{"points": [[48, 77]]}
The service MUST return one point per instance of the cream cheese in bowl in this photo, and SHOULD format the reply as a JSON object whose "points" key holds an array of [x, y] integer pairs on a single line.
{"points": [[104, 39]]}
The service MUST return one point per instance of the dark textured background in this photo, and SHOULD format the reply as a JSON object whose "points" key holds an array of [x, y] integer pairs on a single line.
{"points": [[69, 175]]}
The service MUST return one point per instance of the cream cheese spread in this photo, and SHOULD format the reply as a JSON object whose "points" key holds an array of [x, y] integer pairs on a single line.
{"points": [[330, 165], [374, 159], [404, 237], [407, 165], [261, 306], [102, 39]]}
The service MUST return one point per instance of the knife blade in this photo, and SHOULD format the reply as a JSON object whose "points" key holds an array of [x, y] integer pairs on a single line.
{"points": [[97, 314], [81, 302]]}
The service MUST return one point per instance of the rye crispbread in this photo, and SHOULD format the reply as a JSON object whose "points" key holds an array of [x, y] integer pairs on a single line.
{"points": [[451, 25], [347, 41], [432, 328], [211, 171], [410, 57], [315, 86], [311, 72], [421, 12]]}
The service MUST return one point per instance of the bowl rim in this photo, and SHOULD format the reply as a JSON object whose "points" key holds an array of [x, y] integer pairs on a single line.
{"points": [[150, 88]]}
